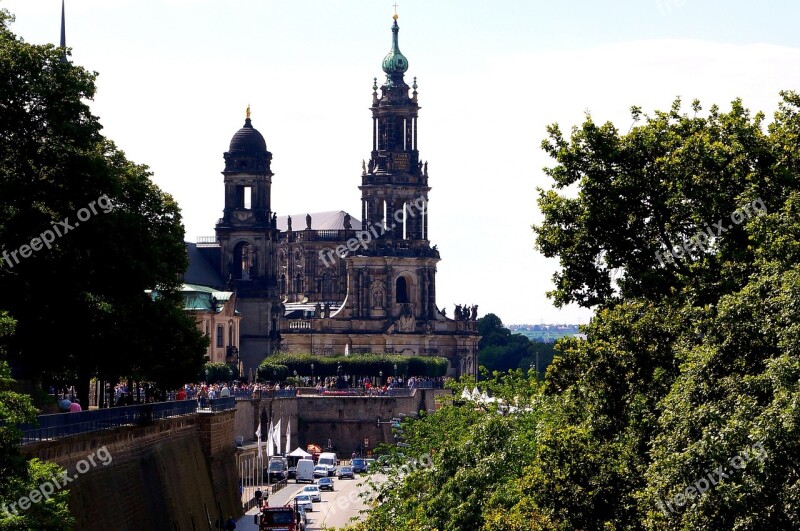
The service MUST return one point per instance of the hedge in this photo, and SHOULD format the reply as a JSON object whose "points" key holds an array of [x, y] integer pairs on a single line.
{"points": [[354, 364]]}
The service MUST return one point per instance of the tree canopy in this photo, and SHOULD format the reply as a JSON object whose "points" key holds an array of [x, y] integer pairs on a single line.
{"points": [[679, 409], [84, 234], [500, 350]]}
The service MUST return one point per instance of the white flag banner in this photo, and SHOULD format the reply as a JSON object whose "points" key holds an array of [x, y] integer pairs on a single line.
{"points": [[258, 434], [276, 436], [288, 437], [269, 442]]}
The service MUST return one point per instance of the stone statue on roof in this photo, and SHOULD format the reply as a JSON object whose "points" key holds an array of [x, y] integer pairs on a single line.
{"points": [[347, 224], [308, 221]]}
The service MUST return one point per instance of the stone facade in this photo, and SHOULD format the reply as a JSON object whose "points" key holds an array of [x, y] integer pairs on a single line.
{"points": [[383, 274]]}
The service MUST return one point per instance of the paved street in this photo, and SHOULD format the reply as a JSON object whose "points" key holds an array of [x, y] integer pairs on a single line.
{"points": [[335, 509]]}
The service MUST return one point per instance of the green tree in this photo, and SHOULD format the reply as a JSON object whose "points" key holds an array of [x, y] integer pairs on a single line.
{"points": [[21, 476], [690, 365], [501, 350], [85, 233]]}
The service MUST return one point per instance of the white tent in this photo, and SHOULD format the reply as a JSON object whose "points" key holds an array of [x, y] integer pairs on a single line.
{"points": [[465, 394], [299, 452]]}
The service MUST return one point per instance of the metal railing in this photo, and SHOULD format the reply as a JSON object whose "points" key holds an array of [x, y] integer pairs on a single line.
{"points": [[240, 394], [60, 425]]}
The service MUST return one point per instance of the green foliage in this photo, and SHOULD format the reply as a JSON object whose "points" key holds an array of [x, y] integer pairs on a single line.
{"points": [[500, 350], [354, 364], [217, 372], [690, 366], [87, 287], [21, 476]]}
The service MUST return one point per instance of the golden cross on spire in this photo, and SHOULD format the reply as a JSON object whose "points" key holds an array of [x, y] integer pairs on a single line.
{"points": [[248, 111], [395, 11]]}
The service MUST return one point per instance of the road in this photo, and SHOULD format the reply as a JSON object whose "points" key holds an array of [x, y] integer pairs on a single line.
{"points": [[335, 510]]}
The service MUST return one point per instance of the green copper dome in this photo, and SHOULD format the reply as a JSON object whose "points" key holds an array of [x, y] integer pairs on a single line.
{"points": [[395, 62]]}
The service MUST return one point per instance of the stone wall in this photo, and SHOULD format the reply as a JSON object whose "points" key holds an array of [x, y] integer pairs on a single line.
{"points": [[174, 474]]}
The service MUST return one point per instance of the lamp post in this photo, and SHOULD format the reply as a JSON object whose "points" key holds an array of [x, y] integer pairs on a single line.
{"points": [[395, 371], [380, 377], [312, 373]]}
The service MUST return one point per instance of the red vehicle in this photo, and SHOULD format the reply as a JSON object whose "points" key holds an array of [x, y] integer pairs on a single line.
{"points": [[284, 518], [314, 450]]}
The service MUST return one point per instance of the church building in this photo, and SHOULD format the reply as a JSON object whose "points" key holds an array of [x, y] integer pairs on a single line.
{"points": [[328, 282]]}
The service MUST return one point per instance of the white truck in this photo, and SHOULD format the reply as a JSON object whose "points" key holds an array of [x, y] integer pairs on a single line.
{"points": [[329, 460]]}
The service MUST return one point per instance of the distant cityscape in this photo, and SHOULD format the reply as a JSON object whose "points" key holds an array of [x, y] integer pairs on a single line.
{"points": [[546, 333]]}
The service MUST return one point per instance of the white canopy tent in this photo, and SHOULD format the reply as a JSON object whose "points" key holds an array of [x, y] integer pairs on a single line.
{"points": [[299, 452]]}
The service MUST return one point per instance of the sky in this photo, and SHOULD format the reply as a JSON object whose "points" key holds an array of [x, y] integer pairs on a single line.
{"points": [[175, 77]]}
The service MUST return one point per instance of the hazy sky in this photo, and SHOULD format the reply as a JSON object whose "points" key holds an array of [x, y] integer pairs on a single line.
{"points": [[176, 77]]}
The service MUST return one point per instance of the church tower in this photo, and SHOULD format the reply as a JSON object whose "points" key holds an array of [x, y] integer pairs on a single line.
{"points": [[247, 235], [394, 208]]}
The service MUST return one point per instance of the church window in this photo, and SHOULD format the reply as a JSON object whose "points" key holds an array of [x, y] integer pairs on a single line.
{"points": [[220, 336], [401, 291]]}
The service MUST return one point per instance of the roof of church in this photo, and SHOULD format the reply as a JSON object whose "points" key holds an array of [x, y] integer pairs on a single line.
{"points": [[248, 140], [201, 270], [329, 220]]}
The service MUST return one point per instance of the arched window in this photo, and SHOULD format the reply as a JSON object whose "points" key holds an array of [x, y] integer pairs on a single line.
{"points": [[401, 291], [283, 284], [220, 336], [243, 261]]}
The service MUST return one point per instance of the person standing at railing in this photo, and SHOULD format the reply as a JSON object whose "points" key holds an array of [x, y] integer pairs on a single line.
{"points": [[75, 407], [181, 394], [225, 392], [203, 397]]}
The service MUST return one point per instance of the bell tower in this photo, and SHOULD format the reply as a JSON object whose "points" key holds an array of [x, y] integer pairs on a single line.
{"points": [[394, 185], [395, 275], [247, 235]]}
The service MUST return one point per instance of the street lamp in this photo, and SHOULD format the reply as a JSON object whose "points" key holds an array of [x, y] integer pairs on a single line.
{"points": [[395, 371], [312, 373], [380, 377]]}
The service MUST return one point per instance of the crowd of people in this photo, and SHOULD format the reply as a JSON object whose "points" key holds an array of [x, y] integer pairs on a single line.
{"points": [[121, 395]]}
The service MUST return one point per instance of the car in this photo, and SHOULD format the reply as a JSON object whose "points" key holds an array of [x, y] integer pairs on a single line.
{"points": [[313, 492], [359, 465], [325, 484], [346, 472], [304, 501], [321, 471], [292, 472]]}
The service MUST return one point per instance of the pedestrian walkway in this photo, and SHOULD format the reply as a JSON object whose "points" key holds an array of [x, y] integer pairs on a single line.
{"points": [[246, 522]]}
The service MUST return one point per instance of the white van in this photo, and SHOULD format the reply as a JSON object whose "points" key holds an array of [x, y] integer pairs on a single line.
{"points": [[305, 470], [329, 460]]}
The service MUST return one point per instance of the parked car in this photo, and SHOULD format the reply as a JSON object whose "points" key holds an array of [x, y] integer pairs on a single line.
{"points": [[321, 471], [359, 465], [325, 484], [292, 472], [313, 491], [346, 472], [304, 501]]}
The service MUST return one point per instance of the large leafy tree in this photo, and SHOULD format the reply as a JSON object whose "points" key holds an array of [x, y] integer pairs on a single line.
{"points": [[500, 350], [679, 411], [85, 233], [20, 476]]}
